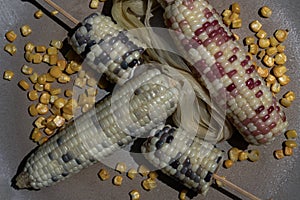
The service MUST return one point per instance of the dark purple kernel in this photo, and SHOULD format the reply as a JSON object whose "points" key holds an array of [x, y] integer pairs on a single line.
{"points": [[283, 118], [187, 162], [66, 157], [233, 38], [207, 42], [231, 73], [124, 64], [231, 87], [159, 144], [169, 139], [272, 125], [244, 63], [259, 109], [232, 58], [208, 177], [250, 69], [259, 94], [235, 49], [265, 118], [271, 109], [220, 42], [189, 173], [175, 164], [277, 108], [208, 15], [218, 54], [214, 23], [221, 30], [133, 63], [227, 38], [199, 31], [206, 24], [184, 170], [220, 68], [250, 83], [195, 38], [213, 34], [257, 83]]}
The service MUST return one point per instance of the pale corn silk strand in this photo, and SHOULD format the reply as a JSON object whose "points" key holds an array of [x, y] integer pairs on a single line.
{"points": [[208, 121]]}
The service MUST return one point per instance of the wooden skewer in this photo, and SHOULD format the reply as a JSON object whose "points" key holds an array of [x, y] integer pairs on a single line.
{"points": [[215, 176]]}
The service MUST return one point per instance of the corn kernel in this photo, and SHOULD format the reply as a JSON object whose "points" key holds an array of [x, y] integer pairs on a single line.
{"points": [[143, 170], [280, 58], [26, 30], [32, 110], [227, 21], [67, 116], [273, 41], [51, 126], [220, 183], [291, 134], [80, 82], [42, 140], [45, 98], [24, 85], [75, 66], [235, 7], [53, 98], [243, 156], [132, 173], [279, 154], [53, 59], [255, 26], [28, 56], [39, 122], [261, 34], [279, 70], [52, 51], [249, 40], [68, 93], [117, 180], [11, 49], [226, 13], [280, 48], [64, 78], [134, 195], [228, 163], [55, 72], [253, 155], [54, 12], [263, 43], [33, 95], [263, 72], [275, 88], [29, 47], [37, 58], [121, 167], [261, 54], [11, 36], [149, 184], [47, 87], [271, 51], [59, 121], [236, 23], [290, 96], [36, 135], [153, 175], [38, 87], [94, 4], [42, 108], [91, 82], [56, 43], [61, 64], [268, 61], [8, 75], [48, 131], [42, 79], [233, 154], [290, 143], [288, 151], [26, 70], [281, 35], [59, 103], [265, 11], [49, 78], [234, 16], [183, 193], [284, 80], [46, 58], [253, 49], [70, 107], [38, 14], [69, 70], [91, 92], [55, 111], [86, 107], [40, 49], [271, 79], [33, 77]]}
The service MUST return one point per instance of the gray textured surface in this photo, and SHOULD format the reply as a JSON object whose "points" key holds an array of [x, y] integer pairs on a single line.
{"points": [[266, 178]]}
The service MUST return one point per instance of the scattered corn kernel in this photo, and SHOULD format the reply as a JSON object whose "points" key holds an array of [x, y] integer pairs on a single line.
{"points": [[48, 131], [265, 11], [288, 151], [33, 95], [94, 4], [68, 93], [37, 58], [253, 155], [28, 56], [182, 195], [237, 23], [47, 87], [91, 82], [121, 167], [153, 175], [255, 26], [271, 79], [42, 108], [8, 75], [45, 98], [117, 180], [284, 79], [280, 48], [80, 82], [143, 170], [26, 70], [36, 135], [40, 49], [38, 87], [290, 143], [26, 30], [103, 174], [53, 59], [32, 110], [233, 154], [280, 58], [149, 184], [226, 13], [279, 70], [11, 49], [235, 7], [49, 78], [249, 40], [263, 72], [261, 54], [291, 134], [263, 43], [132, 173], [271, 51], [134, 195], [56, 43], [38, 14], [220, 183], [268, 61], [253, 49], [234, 16], [67, 117], [24, 85], [29, 47], [243, 156], [11, 36], [61, 64], [33, 77], [54, 12], [261, 34], [52, 51], [275, 88], [42, 79], [228, 163], [59, 103], [290, 96], [64, 78], [281, 35], [39, 122], [279, 154], [55, 72], [46, 58], [285, 102], [59, 121], [227, 21], [273, 41]]}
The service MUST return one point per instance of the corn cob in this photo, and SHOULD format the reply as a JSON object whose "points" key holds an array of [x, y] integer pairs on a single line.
{"points": [[99, 132], [107, 48], [188, 159], [219, 62]]}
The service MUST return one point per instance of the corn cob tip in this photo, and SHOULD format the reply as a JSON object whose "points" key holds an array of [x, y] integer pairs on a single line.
{"points": [[22, 181]]}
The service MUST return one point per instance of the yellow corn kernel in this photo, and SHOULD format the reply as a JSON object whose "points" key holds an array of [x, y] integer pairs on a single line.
{"points": [[234, 16], [268, 61], [56, 44], [47, 86], [67, 117], [94, 4], [54, 110], [263, 72], [68, 93], [227, 21], [284, 80], [64, 78], [55, 72], [243, 156], [271, 51], [26, 30], [288, 151], [40, 49], [279, 70], [226, 13], [69, 70], [53, 59], [26, 70], [24, 85], [51, 125], [285, 102], [254, 155], [86, 107], [261, 34], [75, 66], [233, 154], [153, 175], [32, 110], [36, 135], [235, 7], [82, 99], [265, 11], [42, 108], [80, 82], [38, 123], [37, 58], [253, 49], [280, 48], [59, 121], [273, 41], [263, 43], [249, 40], [261, 54], [290, 143], [290, 96], [8, 75], [49, 78], [149, 184], [279, 154], [132, 173], [271, 79], [33, 95], [11, 49], [220, 183], [228, 163], [38, 87], [280, 58], [46, 58], [183, 193], [59, 103], [29, 47], [33, 77], [38, 14], [117, 180], [236, 23], [28, 56], [11, 36], [91, 82], [255, 26], [42, 79], [291, 134], [48, 131], [52, 51], [143, 170], [275, 88], [121, 167], [134, 195], [54, 12], [45, 98], [281, 35], [43, 140], [61, 64]]}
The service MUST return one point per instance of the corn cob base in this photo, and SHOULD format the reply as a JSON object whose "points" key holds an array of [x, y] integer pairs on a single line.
{"points": [[219, 62], [107, 48], [188, 159], [140, 105]]}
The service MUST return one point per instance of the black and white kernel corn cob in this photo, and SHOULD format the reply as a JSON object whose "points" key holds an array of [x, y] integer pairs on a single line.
{"points": [[183, 156], [134, 109], [107, 47], [221, 64]]}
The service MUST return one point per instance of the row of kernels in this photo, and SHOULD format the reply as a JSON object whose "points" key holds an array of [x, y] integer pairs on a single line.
{"points": [[231, 17], [287, 99], [288, 145], [235, 154]]}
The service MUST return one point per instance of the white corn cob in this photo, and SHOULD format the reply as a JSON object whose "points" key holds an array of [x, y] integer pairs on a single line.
{"points": [[221, 64], [184, 157], [135, 108], [107, 47]]}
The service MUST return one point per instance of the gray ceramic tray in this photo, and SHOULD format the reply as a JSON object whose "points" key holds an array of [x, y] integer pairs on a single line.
{"points": [[266, 178]]}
